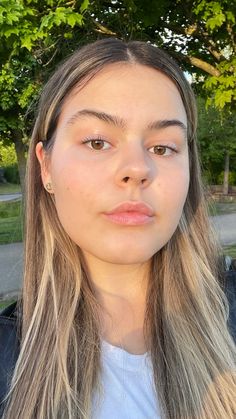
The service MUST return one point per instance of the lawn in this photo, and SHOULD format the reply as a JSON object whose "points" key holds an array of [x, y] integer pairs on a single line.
{"points": [[5, 303], [219, 208], [225, 208], [10, 222], [230, 250], [9, 188]]}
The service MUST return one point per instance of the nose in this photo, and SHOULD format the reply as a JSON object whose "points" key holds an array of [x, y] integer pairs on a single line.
{"points": [[135, 167]]}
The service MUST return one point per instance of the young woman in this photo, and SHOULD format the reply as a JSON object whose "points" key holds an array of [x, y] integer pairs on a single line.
{"points": [[123, 313]]}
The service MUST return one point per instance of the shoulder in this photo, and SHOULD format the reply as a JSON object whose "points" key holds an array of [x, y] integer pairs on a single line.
{"points": [[230, 291], [230, 288], [8, 325], [9, 346]]}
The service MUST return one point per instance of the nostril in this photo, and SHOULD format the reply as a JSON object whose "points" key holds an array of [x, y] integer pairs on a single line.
{"points": [[126, 179]]}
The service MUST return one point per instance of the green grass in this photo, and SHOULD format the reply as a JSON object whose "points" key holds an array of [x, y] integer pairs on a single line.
{"points": [[219, 208], [10, 209], [10, 222], [230, 250], [5, 303], [8, 188]]}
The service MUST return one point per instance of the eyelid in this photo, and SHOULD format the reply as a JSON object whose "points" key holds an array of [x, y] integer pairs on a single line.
{"points": [[94, 138]]}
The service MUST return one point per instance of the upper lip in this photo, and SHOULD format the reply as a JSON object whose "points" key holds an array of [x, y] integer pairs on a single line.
{"points": [[131, 206]]}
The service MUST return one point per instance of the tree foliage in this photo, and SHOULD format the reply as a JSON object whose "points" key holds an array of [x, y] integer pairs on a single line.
{"points": [[199, 34], [216, 136], [216, 133], [35, 36], [7, 155], [32, 34]]}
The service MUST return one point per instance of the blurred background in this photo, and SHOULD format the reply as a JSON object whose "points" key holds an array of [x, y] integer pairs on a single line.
{"points": [[35, 36]]}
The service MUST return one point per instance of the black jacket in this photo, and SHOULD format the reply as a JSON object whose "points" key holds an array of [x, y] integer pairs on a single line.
{"points": [[9, 348], [10, 341]]}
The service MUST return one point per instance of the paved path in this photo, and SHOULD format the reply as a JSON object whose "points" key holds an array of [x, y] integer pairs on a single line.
{"points": [[10, 197], [11, 255], [225, 225]]}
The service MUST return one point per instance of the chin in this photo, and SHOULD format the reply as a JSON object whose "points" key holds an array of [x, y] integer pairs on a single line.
{"points": [[127, 258]]}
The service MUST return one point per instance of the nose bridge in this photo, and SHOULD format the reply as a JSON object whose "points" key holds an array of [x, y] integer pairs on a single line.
{"points": [[135, 164]]}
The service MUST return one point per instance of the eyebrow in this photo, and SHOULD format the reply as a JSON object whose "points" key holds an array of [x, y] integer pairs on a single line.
{"points": [[121, 123]]}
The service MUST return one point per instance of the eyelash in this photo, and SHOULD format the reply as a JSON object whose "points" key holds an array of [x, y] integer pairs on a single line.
{"points": [[171, 148]]}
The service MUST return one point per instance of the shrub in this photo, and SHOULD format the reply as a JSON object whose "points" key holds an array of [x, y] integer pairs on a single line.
{"points": [[11, 174], [7, 155], [232, 178]]}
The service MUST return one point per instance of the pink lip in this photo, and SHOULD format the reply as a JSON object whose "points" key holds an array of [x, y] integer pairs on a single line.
{"points": [[131, 213]]}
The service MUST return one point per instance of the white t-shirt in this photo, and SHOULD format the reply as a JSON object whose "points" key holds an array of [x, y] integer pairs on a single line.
{"points": [[128, 387]]}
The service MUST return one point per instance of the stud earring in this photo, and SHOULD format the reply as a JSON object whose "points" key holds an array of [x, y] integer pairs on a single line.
{"points": [[48, 186]]}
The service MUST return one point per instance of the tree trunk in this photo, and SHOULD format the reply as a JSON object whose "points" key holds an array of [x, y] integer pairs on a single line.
{"points": [[21, 160], [226, 175]]}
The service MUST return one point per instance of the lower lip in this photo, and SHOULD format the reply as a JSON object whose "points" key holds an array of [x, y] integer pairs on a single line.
{"points": [[129, 218]]}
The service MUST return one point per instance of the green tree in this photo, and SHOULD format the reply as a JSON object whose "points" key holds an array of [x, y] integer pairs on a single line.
{"points": [[35, 36], [200, 34], [217, 139]]}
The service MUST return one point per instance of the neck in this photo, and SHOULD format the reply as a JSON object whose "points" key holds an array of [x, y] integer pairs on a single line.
{"points": [[121, 293]]}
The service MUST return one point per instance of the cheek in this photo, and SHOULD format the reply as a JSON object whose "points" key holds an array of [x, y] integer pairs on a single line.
{"points": [[71, 175], [75, 189], [80, 189], [174, 186]]}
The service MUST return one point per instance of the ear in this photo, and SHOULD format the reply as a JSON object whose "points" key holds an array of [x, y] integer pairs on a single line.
{"points": [[45, 167]]}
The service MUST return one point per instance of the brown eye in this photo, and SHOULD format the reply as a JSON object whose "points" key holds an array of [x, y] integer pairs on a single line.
{"points": [[97, 144], [160, 149], [163, 150]]}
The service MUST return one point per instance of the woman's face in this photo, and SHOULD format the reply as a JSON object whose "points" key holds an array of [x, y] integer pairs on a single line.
{"points": [[120, 138]]}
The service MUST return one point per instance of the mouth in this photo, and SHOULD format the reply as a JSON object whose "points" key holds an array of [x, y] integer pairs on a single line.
{"points": [[131, 213]]}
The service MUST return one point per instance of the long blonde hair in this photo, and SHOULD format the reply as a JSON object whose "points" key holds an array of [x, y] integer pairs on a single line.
{"points": [[192, 353]]}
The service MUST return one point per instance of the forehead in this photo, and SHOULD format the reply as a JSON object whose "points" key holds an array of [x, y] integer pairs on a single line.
{"points": [[129, 90]]}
